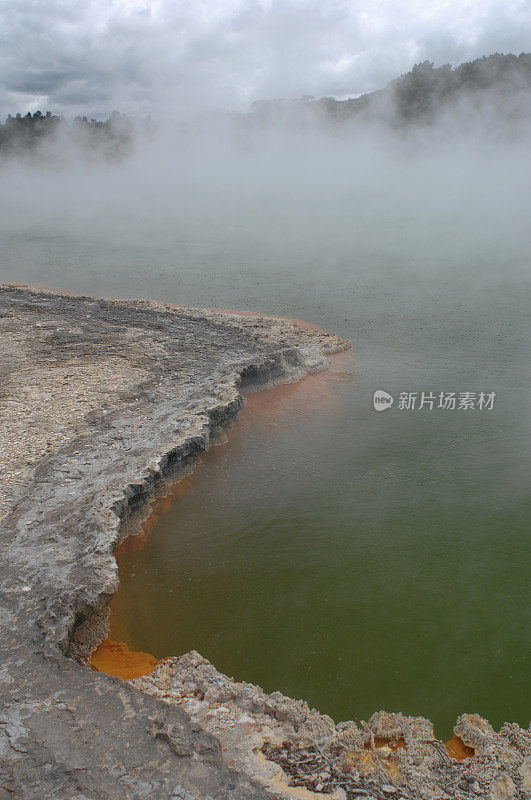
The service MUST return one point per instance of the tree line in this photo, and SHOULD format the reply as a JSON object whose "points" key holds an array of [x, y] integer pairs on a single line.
{"points": [[112, 138], [420, 95], [414, 98]]}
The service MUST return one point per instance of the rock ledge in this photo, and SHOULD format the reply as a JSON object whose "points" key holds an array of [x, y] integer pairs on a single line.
{"points": [[101, 404]]}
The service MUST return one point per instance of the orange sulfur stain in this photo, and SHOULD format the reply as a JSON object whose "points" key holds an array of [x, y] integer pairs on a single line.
{"points": [[115, 658], [393, 744], [315, 391], [456, 748], [268, 406], [299, 323], [163, 504]]}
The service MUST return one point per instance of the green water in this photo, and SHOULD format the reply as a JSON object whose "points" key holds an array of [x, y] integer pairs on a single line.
{"points": [[360, 560]]}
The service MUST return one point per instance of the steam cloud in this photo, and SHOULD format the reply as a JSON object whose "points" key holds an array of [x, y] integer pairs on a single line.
{"points": [[288, 188]]}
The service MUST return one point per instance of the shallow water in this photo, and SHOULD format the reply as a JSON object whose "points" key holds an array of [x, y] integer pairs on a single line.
{"points": [[360, 560]]}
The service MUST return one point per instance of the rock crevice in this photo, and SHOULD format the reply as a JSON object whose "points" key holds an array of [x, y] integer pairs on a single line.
{"points": [[101, 402]]}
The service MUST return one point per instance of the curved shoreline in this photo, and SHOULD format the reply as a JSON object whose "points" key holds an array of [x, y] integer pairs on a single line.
{"points": [[114, 399], [114, 655]]}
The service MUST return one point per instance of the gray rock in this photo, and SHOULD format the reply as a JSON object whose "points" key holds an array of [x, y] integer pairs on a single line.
{"points": [[102, 403]]}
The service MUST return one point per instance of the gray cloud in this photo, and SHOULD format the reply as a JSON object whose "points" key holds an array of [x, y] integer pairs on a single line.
{"points": [[91, 56]]}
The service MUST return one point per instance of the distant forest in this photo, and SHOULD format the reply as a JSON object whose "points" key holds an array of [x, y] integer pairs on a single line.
{"points": [[113, 138], [421, 94], [415, 98]]}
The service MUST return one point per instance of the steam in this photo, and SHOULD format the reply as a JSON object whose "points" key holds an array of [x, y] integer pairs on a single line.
{"points": [[289, 189], [141, 56]]}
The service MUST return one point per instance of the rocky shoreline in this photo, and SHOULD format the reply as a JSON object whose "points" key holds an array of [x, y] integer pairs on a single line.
{"points": [[296, 751], [102, 403]]}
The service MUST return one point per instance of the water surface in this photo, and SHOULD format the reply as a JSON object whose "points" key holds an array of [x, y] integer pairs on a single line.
{"points": [[360, 560]]}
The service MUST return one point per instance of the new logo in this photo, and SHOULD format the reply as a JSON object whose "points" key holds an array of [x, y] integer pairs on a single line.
{"points": [[382, 400]]}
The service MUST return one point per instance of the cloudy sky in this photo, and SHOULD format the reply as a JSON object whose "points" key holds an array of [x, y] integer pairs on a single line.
{"points": [[138, 56]]}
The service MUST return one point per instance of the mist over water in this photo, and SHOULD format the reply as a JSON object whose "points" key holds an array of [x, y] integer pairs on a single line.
{"points": [[359, 560]]}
